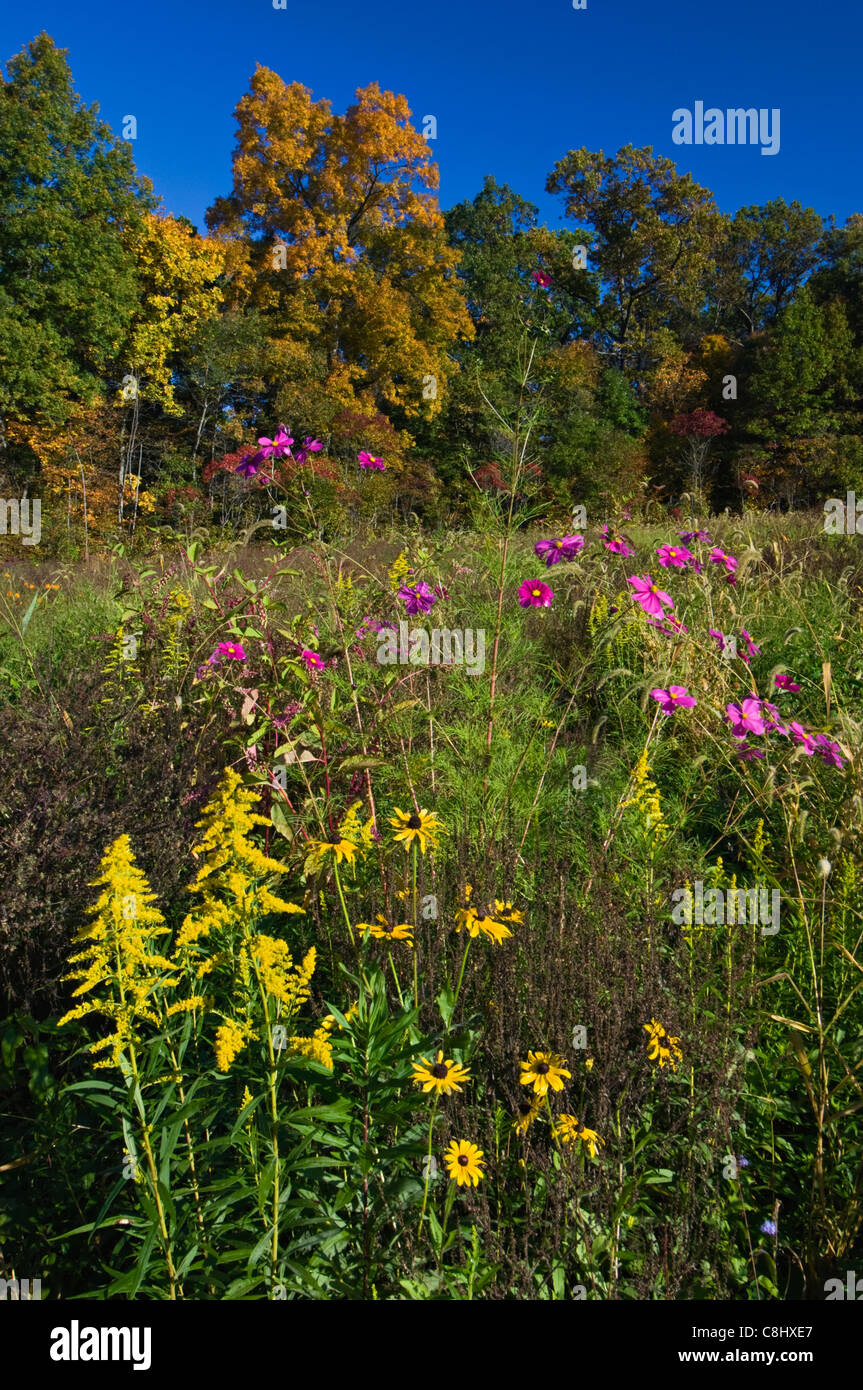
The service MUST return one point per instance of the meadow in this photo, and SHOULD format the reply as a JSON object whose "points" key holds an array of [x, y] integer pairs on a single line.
{"points": [[326, 975]]}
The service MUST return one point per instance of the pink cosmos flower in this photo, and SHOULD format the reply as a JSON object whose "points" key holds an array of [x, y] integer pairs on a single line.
{"points": [[276, 448], [745, 718], [748, 752], [784, 683], [558, 549], [616, 544], [309, 446], [367, 460], [803, 737], [771, 718], [677, 557], [671, 626], [751, 649], [418, 598], [649, 595], [675, 697], [249, 466], [534, 594], [230, 651], [540, 278], [830, 751], [312, 660], [718, 557], [721, 640]]}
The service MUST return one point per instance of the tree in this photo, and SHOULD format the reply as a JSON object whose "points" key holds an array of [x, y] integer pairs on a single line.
{"points": [[766, 254], [69, 201], [654, 235], [343, 253]]}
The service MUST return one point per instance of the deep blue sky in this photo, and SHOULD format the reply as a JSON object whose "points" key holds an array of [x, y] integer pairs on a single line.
{"points": [[513, 85]]}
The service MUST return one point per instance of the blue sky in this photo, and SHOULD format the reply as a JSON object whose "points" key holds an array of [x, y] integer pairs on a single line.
{"points": [[513, 86]]}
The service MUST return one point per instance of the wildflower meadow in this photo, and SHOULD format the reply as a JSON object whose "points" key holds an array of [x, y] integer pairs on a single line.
{"points": [[417, 888]]}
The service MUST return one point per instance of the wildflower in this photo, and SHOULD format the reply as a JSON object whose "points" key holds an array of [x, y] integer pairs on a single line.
{"points": [[616, 544], [336, 847], [649, 595], [745, 718], [230, 651], [280, 978], [121, 975], [646, 796], [399, 571], [751, 648], [558, 549], [417, 598], [276, 448], [675, 697], [440, 1076], [528, 1110], [507, 913], [742, 1162], [544, 1069], [804, 738], [771, 718], [784, 683], [386, 930], [318, 1048], [768, 1228], [830, 751], [464, 1162], [718, 557], [229, 1042], [534, 594], [671, 626], [540, 278], [466, 916], [367, 460], [309, 446], [688, 536], [423, 828], [667, 1052], [676, 557], [312, 660], [721, 639], [568, 1129], [495, 930], [748, 753]]}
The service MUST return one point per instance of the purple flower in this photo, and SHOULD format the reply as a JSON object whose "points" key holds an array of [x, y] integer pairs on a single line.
{"points": [[671, 626], [784, 683], [718, 557], [805, 739], [674, 698], [771, 718], [534, 594], [540, 278], [830, 751], [312, 660], [745, 718], [649, 595], [558, 548], [748, 752], [230, 651], [768, 1228], [616, 544], [276, 448], [687, 536], [721, 640], [742, 1162], [367, 460], [751, 649], [677, 557], [418, 598], [309, 446], [249, 466]]}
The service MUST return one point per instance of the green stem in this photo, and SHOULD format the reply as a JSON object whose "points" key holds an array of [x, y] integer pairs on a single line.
{"points": [[428, 1168]]}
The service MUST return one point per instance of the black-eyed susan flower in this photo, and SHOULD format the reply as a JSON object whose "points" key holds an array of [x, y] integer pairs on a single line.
{"points": [[421, 829], [464, 1162], [543, 1070], [569, 1130], [661, 1047], [505, 912], [528, 1110], [495, 930], [385, 930], [336, 848], [440, 1076], [467, 917]]}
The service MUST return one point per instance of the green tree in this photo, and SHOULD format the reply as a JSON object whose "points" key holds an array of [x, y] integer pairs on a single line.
{"points": [[69, 197]]}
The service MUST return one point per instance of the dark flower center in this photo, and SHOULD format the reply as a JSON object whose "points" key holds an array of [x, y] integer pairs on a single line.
{"points": [[524, 1107], [462, 1158], [541, 1068], [414, 823], [440, 1070], [334, 840]]}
